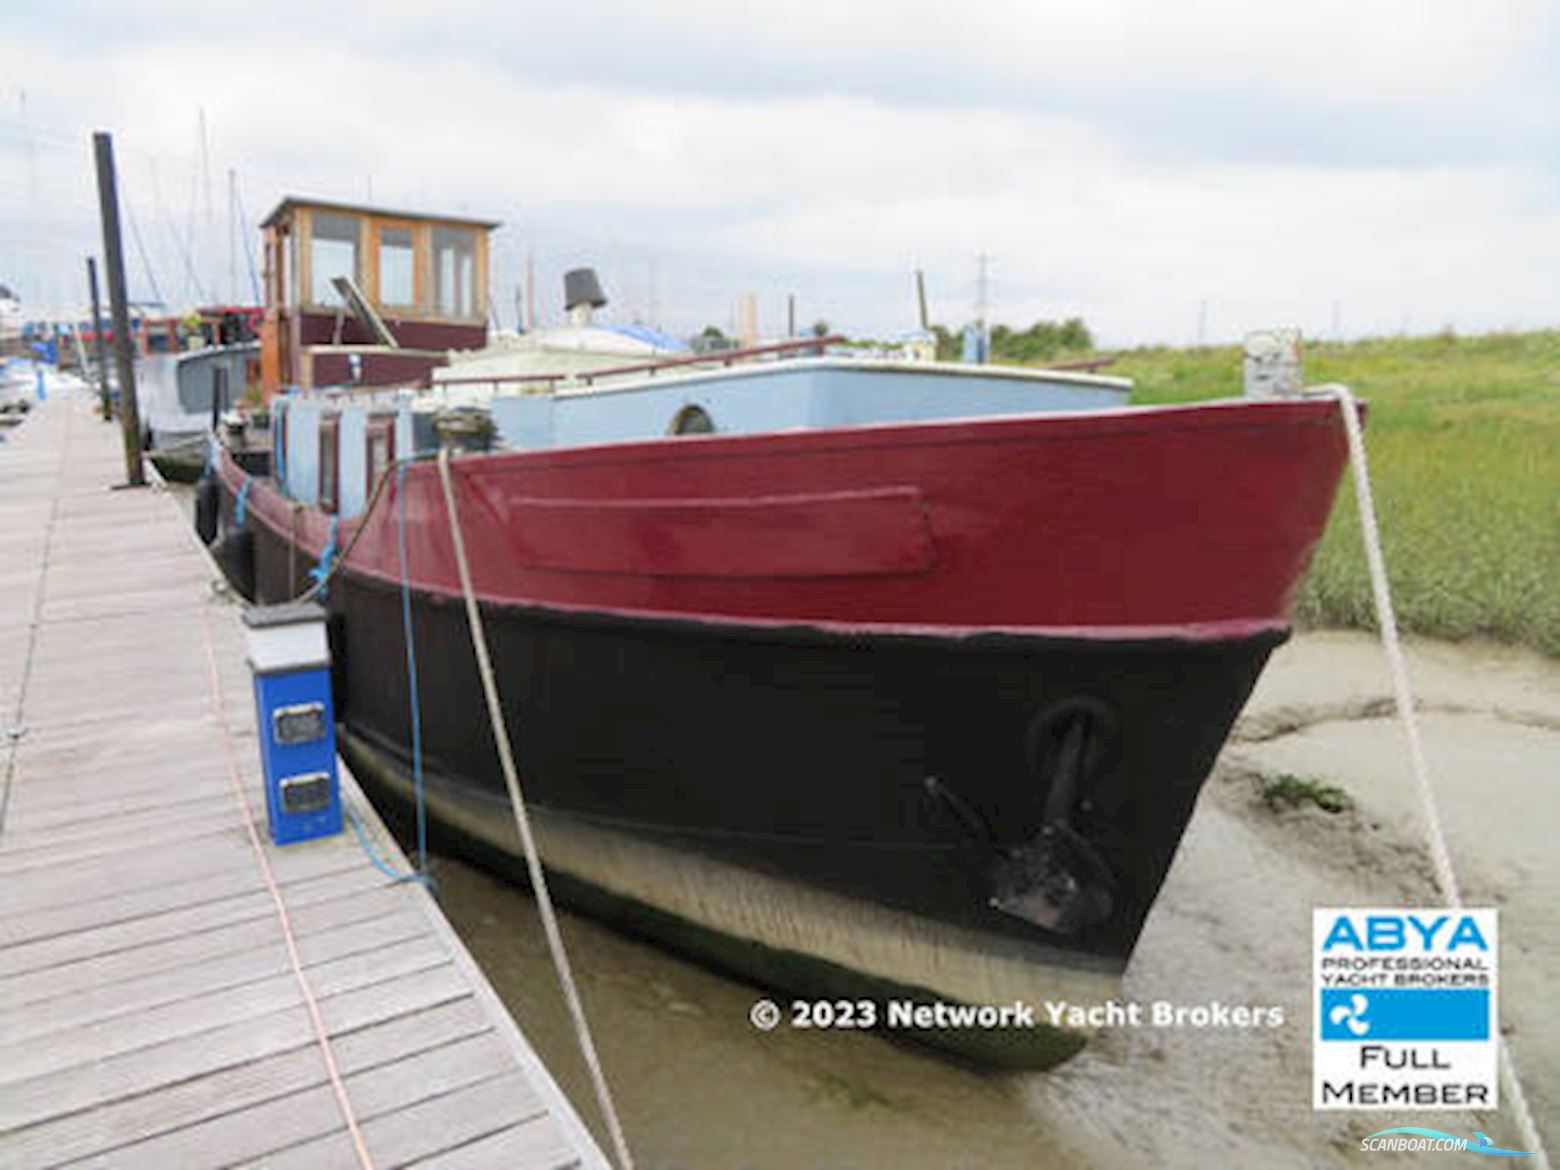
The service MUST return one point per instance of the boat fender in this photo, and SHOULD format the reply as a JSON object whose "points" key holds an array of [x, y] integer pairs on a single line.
{"points": [[1057, 879], [208, 506]]}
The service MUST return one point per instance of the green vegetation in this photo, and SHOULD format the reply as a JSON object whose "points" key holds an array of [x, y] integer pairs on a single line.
{"points": [[1288, 791], [1464, 447], [1044, 341]]}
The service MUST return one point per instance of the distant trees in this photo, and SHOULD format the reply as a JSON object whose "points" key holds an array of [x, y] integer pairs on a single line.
{"points": [[950, 347], [1043, 339], [710, 341]]}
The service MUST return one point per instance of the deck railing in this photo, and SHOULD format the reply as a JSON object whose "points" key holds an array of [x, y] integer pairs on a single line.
{"points": [[719, 357]]}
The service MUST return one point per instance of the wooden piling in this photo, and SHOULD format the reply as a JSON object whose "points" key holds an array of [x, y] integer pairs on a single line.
{"points": [[114, 258]]}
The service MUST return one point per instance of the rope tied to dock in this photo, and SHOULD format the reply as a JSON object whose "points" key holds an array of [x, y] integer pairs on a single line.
{"points": [[522, 818], [414, 704], [1391, 644]]}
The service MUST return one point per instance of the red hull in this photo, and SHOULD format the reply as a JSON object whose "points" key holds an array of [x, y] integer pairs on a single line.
{"points": [[1193, 521]]}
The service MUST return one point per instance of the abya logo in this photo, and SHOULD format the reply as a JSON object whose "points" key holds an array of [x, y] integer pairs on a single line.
{"points": [[1418, 1139], [1352, 1014]]}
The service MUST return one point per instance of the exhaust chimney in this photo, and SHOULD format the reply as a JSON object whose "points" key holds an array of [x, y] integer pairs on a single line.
{"points": [[582, 295]]}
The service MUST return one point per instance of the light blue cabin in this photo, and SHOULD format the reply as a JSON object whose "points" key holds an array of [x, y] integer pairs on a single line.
{"points": [[352, 437]]}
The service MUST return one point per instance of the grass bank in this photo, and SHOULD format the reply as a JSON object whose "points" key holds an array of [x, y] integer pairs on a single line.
{"points": [[1464, 447]]}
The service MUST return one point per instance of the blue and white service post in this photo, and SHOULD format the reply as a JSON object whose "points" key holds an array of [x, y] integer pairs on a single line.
{"points": [[290, 660]]}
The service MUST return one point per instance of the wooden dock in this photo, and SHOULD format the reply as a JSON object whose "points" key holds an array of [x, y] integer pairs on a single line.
{"points": [[151, 1013]]}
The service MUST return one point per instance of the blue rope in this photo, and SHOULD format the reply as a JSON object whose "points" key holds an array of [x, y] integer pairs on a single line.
{"points": [[411, 672], [380, 863], [241, 505], [321, 571]]}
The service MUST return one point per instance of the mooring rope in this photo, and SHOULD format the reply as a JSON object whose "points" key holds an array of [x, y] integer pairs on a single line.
{"points": [[1391, 643], [517, 805], [362, 519]]}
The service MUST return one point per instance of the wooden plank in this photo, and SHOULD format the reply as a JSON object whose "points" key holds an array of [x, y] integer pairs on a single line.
{"points": [[140, 989], [105, 844], [295, 1121], [130, 1074], [71, 1044], [87, 817], [537, 1142], [134, 907], [147, 930], [65, 886], [222, 936], [239, 1086], [424, 1128]]}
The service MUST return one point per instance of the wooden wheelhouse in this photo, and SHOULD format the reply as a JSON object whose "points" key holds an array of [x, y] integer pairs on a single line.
{"points": [[423, 281]]}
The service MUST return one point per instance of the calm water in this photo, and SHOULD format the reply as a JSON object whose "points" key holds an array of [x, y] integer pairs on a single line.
{"points": [[699, 1088]]}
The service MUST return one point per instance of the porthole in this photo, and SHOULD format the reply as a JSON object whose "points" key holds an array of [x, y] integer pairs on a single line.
{"points": [[692, 420]]}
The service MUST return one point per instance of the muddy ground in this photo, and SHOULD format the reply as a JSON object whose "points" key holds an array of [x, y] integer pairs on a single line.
{"points": [[699, 1088]]}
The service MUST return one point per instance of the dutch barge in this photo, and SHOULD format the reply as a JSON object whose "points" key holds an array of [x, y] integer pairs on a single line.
{"points": [[856, 677]]}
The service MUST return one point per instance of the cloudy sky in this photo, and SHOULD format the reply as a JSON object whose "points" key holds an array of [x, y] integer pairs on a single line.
{"points": [[1159, 167]]}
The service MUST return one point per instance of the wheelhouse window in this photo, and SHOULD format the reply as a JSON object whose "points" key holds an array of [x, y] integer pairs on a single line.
{"points": [[454, 272], [333, 251], [380, 455], [397, 267], [330, 463]]}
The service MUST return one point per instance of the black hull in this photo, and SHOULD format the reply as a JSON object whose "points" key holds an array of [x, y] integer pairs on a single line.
{"points": [[911, 777]]}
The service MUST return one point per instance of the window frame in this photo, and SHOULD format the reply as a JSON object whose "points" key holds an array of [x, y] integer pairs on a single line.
{"points": [[329, 493], [378, 426], [315, 219], [473, 286], [416, 302]]}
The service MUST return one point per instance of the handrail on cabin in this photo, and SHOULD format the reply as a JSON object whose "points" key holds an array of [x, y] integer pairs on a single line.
{"points": [[724, 357]]}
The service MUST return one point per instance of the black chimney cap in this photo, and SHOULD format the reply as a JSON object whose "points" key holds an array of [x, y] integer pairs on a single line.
{"points": [[580, 287]]}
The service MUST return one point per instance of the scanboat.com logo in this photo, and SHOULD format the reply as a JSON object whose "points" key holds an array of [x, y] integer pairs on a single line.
{"points": [[1418, 1138]]}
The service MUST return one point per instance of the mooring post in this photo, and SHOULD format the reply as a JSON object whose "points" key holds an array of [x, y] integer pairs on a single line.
{"points": [[114, 258], [99, 344]]}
